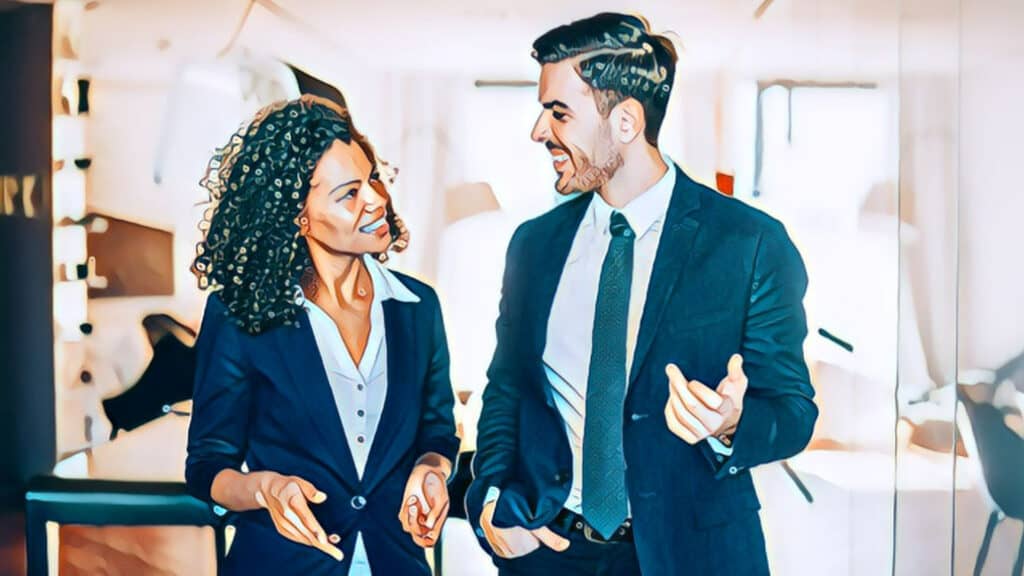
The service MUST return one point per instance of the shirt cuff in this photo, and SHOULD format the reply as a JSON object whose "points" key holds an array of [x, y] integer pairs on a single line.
{"points": [[719, 447], [493, 493]]}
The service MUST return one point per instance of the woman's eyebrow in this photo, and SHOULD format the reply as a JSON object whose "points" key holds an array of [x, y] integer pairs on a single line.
{"points": [[340, 186]]}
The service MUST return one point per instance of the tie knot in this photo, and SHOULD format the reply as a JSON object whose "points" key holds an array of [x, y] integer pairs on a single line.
{"points": [[620, 227]]}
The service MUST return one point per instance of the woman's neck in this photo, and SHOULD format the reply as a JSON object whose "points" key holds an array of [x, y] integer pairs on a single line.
{"points": [[340, 279]]}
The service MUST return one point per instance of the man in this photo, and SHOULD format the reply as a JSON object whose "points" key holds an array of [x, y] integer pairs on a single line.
{"points": [[649, 344]]}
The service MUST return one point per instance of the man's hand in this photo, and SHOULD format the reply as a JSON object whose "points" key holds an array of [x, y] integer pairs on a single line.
{"points": [[694, 411], [516, 541], [425, 504]]}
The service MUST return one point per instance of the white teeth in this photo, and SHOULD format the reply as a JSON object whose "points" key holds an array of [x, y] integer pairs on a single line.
{"points": [[371, 228], [560, 158]]}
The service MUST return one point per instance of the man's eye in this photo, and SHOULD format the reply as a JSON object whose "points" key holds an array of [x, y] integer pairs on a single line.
{"points": [[558, 115]]}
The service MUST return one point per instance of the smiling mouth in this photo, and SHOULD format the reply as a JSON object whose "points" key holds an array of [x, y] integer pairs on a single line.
{"points": [[375, 226]]}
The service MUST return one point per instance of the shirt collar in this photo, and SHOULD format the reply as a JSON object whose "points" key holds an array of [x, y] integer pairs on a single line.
{"points": [[387, 286], [644, 213]]}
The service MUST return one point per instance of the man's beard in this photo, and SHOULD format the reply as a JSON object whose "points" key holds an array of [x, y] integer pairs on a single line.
{"points": [[591, 174]]}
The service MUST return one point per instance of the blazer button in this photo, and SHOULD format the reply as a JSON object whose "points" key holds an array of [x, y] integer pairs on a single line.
{"points": [[733, 470], [358, 502]]}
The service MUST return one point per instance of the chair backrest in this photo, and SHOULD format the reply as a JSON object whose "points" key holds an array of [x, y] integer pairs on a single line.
{"points": [[997, 448]]}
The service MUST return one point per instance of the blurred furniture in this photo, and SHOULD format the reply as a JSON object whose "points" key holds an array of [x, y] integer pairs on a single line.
{"points": [[134, 259], [1000, 451], [166, 381], [110, 502]]}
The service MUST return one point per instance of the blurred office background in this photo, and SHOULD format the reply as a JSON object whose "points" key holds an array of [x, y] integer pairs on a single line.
{"points": [[884, 134]]}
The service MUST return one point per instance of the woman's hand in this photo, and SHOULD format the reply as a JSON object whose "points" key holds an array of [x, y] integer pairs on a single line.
{"points": [[425, 504], [286, 498]]}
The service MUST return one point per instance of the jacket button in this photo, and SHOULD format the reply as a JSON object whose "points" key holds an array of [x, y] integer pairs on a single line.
{"points": [[358, 502], [733, 470], [480, 532]]}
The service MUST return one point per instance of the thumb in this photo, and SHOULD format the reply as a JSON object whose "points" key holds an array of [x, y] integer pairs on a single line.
{"points": [[550, 539], [736, 368], [309, 491]]}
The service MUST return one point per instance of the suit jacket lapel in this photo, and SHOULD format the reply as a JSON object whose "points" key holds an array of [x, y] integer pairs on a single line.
{"points": [[552, 252], [302, 356], [400, 416], [674, 250]]}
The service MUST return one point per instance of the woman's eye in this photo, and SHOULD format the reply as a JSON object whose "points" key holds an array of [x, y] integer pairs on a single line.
{"points": [[347, 195]]}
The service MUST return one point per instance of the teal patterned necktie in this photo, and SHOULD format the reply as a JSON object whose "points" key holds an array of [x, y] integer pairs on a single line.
{"points": [[604, 467]]}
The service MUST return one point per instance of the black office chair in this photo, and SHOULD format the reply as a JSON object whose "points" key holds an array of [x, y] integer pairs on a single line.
{"points": [[166, 381], [1000, 451]]}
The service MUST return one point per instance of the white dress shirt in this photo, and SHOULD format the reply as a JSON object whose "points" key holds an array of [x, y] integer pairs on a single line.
{"points": [[359, 391], [571, 322]]}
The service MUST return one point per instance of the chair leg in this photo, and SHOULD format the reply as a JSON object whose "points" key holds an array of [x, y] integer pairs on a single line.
{"points": [[35, 541], [439, 554], [1018, 568], [979, 564], [219, 537]]}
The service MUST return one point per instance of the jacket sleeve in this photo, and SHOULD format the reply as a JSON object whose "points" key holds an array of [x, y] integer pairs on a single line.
{"points": [[437, 420], [498, 428], [778, 409], [220, 401]]}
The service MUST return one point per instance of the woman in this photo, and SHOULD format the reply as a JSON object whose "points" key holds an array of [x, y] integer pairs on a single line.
{"points": [[320, 370]]}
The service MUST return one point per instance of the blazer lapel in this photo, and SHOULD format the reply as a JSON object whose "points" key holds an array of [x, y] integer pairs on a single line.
{"points": [[674, 250], [302, 357], [548, 261], [400, 414]]}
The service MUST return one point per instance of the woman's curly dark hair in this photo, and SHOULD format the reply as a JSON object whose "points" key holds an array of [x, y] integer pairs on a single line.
{"points": [[251, 252]]}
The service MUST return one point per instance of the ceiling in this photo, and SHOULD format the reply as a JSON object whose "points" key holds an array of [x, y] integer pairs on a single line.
{"points": [[491, 40]]}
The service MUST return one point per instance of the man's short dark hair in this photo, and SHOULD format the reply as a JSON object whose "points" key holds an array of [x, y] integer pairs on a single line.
{"points": [[619, 58]]}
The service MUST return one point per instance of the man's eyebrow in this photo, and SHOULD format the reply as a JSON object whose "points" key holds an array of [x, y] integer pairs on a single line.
{"points": [[550, 105]]}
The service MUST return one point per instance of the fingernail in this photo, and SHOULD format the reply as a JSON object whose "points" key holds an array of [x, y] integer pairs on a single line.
{"points": [[411, 500], [319, 497]]}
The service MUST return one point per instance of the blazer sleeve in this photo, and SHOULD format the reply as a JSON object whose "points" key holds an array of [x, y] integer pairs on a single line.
{"points": [[437, 421], [778, 410], [220, 401], [498, 427]]}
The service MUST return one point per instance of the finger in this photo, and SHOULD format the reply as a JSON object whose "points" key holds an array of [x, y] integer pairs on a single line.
{"points": [[438, 498], [706, 395], [287, 530], [688, 410], [414, 526], [550, 539], [309, 490], [735, 368], [491, 534], [435, 530], [292, 517], [403, 513], [305, 516], [330, 550], [676, 426], [683, 415], [674, 374]]}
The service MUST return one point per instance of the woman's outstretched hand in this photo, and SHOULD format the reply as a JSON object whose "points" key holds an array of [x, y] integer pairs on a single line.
{"points": [[287, 500]]}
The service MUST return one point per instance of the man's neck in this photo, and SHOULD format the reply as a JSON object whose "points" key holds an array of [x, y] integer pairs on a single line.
{"points": [[641, 169]]}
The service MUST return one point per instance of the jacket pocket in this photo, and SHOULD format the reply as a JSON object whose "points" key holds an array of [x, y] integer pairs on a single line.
{"points": [[723, 510]]}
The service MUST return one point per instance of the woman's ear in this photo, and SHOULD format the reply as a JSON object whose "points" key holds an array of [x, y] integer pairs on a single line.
{"points": [[302, 221]]}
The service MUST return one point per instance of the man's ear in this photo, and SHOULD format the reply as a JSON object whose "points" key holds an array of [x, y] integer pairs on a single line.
{"points": [[628, 121]]}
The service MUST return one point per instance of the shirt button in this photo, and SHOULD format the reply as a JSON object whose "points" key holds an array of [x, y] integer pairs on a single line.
{"points": [[358, 502], [360, 413], [359, 387], [362, 439]]}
